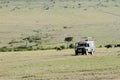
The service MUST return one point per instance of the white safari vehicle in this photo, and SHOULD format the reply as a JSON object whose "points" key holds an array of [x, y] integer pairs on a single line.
{"points": [[84, 47]]}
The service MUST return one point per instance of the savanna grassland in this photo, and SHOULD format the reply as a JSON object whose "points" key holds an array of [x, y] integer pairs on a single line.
{"points": [[51, 21], [60, 65], [57, 19]]}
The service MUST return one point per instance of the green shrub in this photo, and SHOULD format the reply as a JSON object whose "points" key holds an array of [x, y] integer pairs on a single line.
{"points": [[62, 46], [30, 48], [108, 46], [71, 46], [5, 49], [100, 46], [55, 47], [65, 27], [20, 48]]}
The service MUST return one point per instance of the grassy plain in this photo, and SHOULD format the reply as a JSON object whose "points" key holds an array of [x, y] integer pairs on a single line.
{"points": [[60, 65], [98, 19]]}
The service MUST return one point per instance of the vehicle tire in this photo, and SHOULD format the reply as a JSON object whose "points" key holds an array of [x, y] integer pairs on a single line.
{"points": [[84, 52], [91, 52], [76, 53]]}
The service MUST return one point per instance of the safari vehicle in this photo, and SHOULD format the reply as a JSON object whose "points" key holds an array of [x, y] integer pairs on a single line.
{"points": [[84, 47]]}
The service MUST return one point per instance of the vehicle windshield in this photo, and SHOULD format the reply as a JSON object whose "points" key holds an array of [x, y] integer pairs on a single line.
{"points": [[83, 45]]}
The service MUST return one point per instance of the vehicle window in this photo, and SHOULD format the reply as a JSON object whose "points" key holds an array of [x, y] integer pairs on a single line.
{"points": [[84, 45], [87, 45]]}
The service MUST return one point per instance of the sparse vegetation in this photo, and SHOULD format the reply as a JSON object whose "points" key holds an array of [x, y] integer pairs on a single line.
{"points": [[100, 46], [71, 45], [68, 39], [62, 46], [27, 26], [53, 24], [50, 64], [108, 46], [5, 49]]}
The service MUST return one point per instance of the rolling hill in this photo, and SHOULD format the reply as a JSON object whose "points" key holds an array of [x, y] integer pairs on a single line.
{"points": [[57, 19]]}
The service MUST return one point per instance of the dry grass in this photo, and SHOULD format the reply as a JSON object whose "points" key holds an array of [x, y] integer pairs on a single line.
{"points": [[102, 23], [53, 65], [89, 20]]}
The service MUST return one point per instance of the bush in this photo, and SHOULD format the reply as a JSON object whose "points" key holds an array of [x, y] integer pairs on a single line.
{"points": [[100, 46], [47, 48], [62, 47], [5, 49], [71, 46], [108, 46], [20, 48], [30, 48], [23, 48], [117, 45], [65, 27]]}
